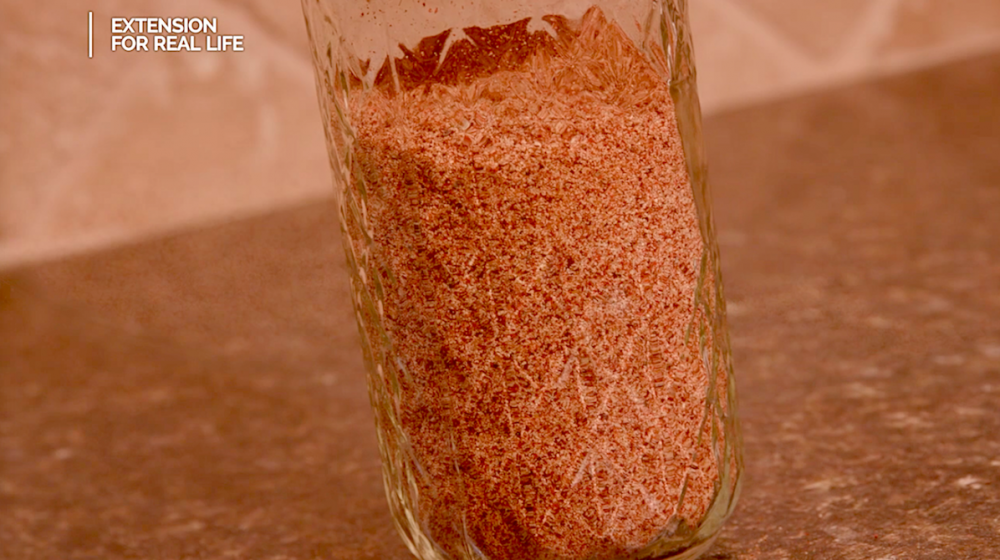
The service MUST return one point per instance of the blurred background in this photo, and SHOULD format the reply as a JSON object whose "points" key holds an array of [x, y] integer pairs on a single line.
{"points": [[126, 146]]}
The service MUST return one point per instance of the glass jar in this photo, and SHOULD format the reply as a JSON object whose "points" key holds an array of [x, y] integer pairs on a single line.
{"points": [[535, 274]]}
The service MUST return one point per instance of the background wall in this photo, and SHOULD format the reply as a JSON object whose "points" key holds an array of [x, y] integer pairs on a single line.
{"points": [[124, 146]]}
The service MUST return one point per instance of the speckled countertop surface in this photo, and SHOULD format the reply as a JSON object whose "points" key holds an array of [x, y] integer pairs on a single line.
{"points": [[202, 396]]}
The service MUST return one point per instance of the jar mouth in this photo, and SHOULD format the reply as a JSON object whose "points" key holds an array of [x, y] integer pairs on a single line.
{"points": [[460, 56]]}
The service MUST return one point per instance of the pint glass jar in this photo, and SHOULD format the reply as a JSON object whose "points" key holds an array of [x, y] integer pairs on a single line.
{"points": [[522, 194]]}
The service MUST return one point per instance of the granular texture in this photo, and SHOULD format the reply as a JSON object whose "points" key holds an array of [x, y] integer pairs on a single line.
{"points": [[537, 252]]}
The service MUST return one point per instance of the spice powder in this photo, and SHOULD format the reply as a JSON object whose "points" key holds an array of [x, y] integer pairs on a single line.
{"points": [[537, 248]]}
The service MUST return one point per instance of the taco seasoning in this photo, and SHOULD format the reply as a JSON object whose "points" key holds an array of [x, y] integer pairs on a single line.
{"points": [[534, 298]]}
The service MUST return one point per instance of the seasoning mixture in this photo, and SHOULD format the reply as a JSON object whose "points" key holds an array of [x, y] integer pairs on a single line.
{"points": [[537, 253]]}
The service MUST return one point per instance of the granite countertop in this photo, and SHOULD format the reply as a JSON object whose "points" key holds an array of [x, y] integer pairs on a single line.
{"points": [[202, 396]]}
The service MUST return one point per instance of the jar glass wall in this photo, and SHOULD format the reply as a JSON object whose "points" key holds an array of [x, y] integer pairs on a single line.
{"points": [[527, 225]]}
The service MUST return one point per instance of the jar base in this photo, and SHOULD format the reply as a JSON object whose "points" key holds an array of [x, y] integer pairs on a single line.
{"points": [[692, 553]]}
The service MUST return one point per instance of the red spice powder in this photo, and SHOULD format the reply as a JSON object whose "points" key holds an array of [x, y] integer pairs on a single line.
{"points": [[525, 229]]}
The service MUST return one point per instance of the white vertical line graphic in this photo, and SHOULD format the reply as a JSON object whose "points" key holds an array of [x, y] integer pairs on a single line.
{"points": [[90, 34]]}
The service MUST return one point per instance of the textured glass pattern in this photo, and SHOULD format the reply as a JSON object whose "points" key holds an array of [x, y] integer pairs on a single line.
{"points": [[341, 77]]}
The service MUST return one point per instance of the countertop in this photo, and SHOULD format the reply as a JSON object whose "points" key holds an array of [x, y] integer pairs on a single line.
{"points": [[202, 396]]}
